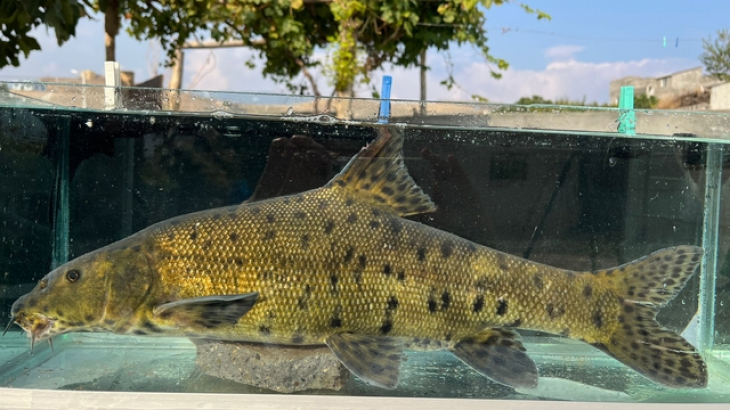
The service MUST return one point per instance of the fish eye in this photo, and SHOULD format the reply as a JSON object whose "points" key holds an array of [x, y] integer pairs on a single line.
{"points": [[73, 275]]}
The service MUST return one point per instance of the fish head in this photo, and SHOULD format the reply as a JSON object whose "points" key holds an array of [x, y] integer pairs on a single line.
{"points": [[95, 292]]}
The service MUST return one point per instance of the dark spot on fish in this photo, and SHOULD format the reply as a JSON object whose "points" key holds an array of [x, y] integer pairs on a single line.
{"points": [[207, 244], [303, 302], [305, 241], [340, 182], [393, 303], [238, 261], [565, 332], [550, 309], [264, 330], [59, 311], [256, 210], [387, 327], [396, 226], [335, 322], [432, 305], [445, 300], [352, 218], [362, 261], [349, 201], [598, 319], [136, 248], [110, 322], [139, 332], [537, 280], [300, 198], [379, 198], [401, 275], [216, 216], [502, 262], [233, 237], [270, 234], [471, 247], [501, 307], [421, 254], [333, 282], [300, 215], [479, 303], [270, 218], [387, 190], [570, 273], [447, 248], [386, 269], [400, 199], [89, 318], [171, 236], [322, 205], [286, 201], [329, 226], [374, 224], [193, 236], [349, 254], [297, 339], [587, 291]]}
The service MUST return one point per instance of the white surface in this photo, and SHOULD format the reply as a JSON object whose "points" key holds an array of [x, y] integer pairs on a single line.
{"points": [[45, 399]]}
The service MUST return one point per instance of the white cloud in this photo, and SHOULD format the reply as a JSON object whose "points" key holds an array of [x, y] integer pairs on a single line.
{"points": [[562, 52], [562, 79]]}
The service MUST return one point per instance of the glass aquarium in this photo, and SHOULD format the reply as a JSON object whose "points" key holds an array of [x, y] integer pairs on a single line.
{"points": [[82, 167]]}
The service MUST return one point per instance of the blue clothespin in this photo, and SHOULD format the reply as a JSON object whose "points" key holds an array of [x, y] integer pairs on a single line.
{"points": [[385, 99], [627, 116]]}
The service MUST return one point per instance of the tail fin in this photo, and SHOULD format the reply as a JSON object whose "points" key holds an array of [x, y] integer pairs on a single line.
{"points": [[639, 341]]}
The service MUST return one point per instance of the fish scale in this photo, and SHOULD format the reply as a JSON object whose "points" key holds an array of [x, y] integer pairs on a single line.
{"points": [[340, 266]]}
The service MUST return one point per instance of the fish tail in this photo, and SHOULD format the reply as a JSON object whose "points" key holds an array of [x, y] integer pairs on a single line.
{"points": [[638, 340]]}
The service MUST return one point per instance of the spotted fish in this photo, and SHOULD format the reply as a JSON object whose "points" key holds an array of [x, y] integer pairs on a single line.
{"points": [[340, 266]]}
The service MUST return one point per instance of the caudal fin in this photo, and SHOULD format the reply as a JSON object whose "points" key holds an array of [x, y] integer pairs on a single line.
{"points": [[639, 341]]}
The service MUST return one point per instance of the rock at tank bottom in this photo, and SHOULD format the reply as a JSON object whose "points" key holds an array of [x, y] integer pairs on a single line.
{"points": [[280, 368]]}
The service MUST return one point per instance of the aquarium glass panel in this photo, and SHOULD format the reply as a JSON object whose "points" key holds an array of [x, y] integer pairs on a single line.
{"points": [[213, 242]]}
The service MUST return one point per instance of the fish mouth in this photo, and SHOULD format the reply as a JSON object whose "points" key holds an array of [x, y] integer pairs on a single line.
{"points": [[37, 327]]}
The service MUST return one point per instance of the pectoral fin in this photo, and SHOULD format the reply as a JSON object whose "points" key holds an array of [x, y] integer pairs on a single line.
{"points": [[499, 355], [376, 360], [209, 311]]}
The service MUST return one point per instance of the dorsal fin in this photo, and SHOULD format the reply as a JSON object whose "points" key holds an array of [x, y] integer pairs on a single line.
{"points": [[378, 176]]}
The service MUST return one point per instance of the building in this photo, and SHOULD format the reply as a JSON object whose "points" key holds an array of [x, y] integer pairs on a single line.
{"points": [[667, 87]]}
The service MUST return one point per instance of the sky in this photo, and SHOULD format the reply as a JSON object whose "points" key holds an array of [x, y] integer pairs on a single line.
{"points": [[587, 44]]}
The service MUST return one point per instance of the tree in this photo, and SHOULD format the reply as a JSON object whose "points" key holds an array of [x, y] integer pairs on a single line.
{"points": [[645, 101], [361, 35], [716, 57], [19, 17]]}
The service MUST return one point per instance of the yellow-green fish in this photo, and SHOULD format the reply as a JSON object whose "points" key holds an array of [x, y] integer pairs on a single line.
{"points": [[339, 266]]}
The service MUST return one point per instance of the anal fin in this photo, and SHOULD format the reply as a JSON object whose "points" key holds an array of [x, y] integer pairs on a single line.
{"points": [[499, 355], [208, 311], [375, 360]]}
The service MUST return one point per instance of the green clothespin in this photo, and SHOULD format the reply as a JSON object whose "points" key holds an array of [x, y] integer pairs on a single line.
{"points": [[627, 116]]}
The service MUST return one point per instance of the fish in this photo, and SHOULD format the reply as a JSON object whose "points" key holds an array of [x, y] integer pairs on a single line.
{"points": [[341, 266]]}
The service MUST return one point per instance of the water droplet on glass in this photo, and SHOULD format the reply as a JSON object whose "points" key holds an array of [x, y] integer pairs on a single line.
{"points": [[152, 120], [683, 302], [89, 123], [290, 111], [612, 161]]}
